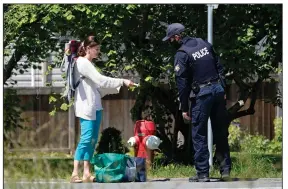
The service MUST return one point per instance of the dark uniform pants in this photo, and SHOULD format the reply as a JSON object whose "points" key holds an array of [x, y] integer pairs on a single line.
{"points": [[209, 102]]}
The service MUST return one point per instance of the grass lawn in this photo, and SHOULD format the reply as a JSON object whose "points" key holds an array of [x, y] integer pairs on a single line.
{"points": [[59, 166], [244, 166]]}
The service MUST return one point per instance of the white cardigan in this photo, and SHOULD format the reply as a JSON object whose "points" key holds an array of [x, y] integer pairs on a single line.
{"points": [[90, 91]]}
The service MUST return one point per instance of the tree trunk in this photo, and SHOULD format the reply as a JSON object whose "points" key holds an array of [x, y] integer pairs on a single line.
{"points": [[250, 110], [184, 154], [12, 63], [245, 92]]}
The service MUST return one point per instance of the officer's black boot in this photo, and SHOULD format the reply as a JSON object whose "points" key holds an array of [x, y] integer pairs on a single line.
{"points": [[225, 176], [199, 178]]}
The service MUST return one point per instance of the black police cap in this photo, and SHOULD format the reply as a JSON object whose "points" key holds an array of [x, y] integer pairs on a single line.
{"points": [[173, 29]]}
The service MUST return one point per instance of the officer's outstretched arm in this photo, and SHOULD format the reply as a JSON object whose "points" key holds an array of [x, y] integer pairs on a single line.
{"points": [[181, 63]]}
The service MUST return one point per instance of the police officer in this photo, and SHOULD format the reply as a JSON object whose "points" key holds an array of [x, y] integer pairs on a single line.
{"points": [[199, 77]]}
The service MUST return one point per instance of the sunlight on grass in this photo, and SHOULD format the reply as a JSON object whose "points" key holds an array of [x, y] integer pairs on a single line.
{"points": [[60, 167]]}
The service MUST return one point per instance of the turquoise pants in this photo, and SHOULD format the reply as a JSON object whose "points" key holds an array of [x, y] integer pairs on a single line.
{"points": [[88, 138]]}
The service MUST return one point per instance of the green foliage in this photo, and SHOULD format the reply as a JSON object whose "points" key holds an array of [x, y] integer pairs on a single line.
{"points": [[12, 120], [255, 144], [130, 36], [234, 138], [276, 143], [244, 33], [278, 129], [111, 142], [242, 141], [30, 30], [58, 103]]}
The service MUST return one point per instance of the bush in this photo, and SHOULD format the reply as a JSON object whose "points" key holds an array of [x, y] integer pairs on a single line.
{"points": [[255, 144], [242, 141], [234, 138], [111, 142], [276, 144], [11, 117]]}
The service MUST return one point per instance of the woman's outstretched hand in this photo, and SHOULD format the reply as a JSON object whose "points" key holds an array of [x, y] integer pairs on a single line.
{"points": [[128, 83]]}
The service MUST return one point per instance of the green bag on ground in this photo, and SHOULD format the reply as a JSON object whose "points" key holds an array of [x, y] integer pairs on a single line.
{"points": [[109, 167]]}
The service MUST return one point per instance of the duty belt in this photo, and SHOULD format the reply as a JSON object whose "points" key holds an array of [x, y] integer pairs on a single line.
{"points": [[209, 83]]}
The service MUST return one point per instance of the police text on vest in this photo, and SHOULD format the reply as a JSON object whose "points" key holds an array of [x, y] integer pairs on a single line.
{"points": [[200, 53]]}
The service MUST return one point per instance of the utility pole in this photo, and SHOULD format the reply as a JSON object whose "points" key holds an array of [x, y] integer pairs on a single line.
{"points": [[210, 40]]}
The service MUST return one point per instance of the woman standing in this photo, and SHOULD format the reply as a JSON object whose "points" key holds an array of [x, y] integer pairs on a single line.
{"points": [[88, 105]]}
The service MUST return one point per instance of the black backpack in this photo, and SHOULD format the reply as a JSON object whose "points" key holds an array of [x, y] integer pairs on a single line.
{"points": [[68, 65]]}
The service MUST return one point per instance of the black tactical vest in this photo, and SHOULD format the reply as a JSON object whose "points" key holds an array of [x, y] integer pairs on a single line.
{"points": [[202, 61]]}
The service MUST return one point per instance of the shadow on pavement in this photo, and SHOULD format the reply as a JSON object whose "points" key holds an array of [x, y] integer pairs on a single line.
{"points": [[159, 180], [231, 179], [212, 179]]}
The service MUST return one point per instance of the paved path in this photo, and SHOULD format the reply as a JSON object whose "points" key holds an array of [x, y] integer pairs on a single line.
{"points": [[174, 183]]}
